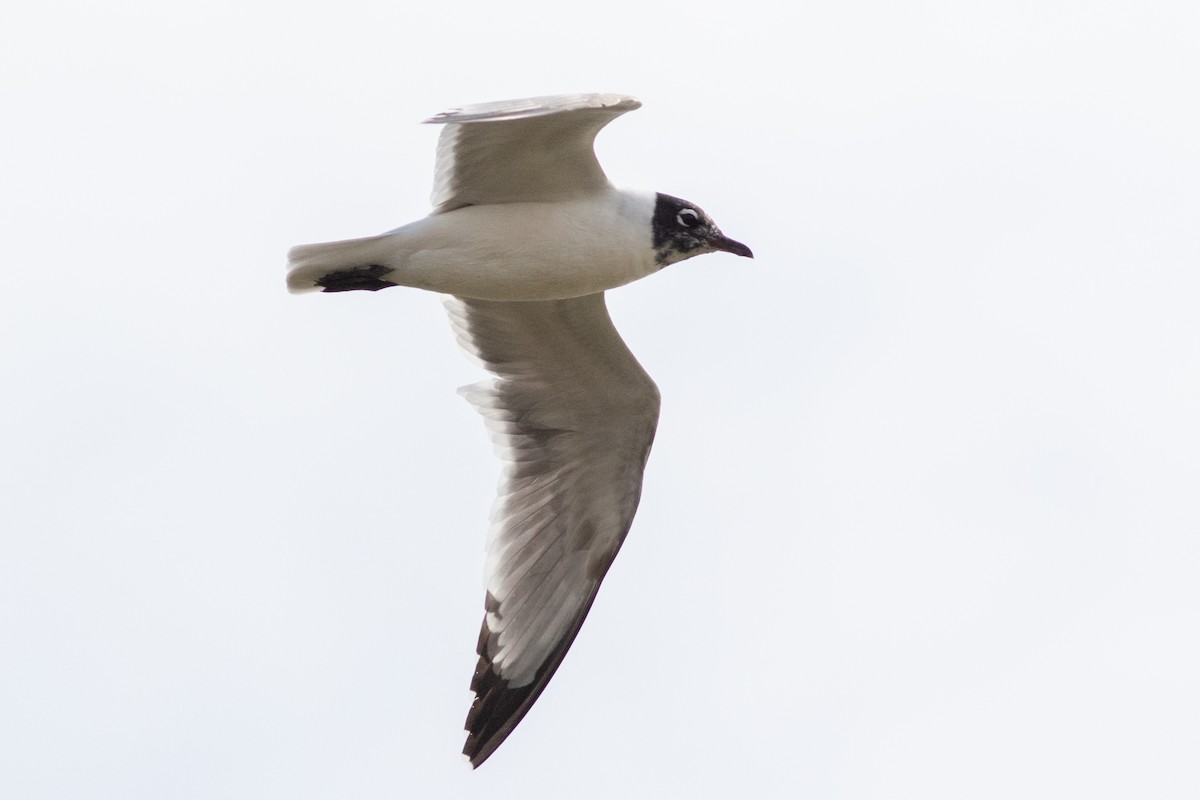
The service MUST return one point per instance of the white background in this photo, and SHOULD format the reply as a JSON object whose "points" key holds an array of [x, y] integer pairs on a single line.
{"points": [[921, 520]]}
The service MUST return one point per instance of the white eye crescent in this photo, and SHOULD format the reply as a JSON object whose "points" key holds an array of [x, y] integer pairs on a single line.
{"points": [[687, 218]]}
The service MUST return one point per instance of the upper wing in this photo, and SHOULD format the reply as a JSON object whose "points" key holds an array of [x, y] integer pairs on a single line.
{"points": [[573, 415], [522, 150]]}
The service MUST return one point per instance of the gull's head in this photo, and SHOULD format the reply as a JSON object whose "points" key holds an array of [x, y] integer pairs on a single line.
{"points": [[682, 230]]}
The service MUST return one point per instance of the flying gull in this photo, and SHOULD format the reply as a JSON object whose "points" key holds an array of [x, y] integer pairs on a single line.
{"points": [[526, 235]]}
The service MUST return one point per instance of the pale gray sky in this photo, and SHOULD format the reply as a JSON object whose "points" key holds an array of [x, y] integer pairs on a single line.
{"points": [[921, 520]]}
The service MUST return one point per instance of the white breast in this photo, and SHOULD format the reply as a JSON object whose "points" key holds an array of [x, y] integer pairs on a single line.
{"points": [[529, 251]]}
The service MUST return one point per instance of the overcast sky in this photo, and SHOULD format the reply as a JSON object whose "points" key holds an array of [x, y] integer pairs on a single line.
{"points": [[921, 520]]}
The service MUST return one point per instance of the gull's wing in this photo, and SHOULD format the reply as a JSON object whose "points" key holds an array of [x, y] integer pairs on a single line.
{"points": [[539, 149], [573, 414]]}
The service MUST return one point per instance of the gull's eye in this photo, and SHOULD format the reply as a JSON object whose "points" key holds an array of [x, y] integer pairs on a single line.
{"points": [[687, 218]]}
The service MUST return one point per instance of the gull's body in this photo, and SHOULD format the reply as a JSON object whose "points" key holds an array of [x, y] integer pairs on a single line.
{"points": [[464, 252], [526, 235]]}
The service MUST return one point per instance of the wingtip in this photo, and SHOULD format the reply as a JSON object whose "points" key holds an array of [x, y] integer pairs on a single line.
{"points": [[478, 748], [475, 758], [520, 108]]}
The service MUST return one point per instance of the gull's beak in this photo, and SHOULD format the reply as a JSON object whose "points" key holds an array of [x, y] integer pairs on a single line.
{"points": [[719, 241]]}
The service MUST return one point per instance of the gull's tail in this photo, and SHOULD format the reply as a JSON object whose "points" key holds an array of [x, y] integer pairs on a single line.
{"points": [[342, 266]]}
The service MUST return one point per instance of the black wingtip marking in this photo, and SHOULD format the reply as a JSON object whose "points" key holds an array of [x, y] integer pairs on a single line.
{"points": [[495, 711], [368, 278], [498, 707]]}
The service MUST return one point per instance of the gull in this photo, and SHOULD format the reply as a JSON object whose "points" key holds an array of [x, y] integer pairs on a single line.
{"points": [[525, 236]]}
